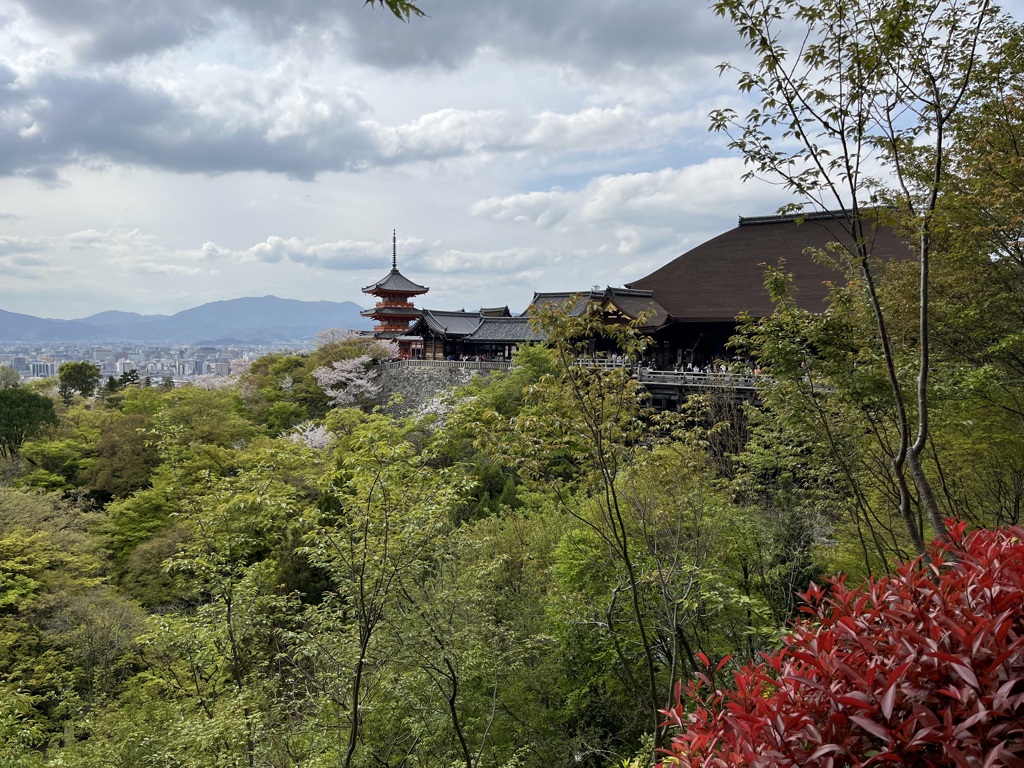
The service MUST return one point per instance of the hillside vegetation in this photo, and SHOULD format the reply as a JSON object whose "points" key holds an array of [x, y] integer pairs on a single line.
{"points": [[540, 570], [516, 576]]}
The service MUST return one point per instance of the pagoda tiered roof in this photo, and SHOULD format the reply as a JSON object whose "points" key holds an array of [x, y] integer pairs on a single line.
{"points": [[395, 282], [383, 311]]}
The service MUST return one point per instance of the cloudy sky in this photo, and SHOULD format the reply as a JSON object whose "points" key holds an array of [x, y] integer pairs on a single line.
{"points": [[160, 154]]}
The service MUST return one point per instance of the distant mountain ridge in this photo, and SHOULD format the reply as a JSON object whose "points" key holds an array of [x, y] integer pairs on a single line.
{"points": [[253, 320]]}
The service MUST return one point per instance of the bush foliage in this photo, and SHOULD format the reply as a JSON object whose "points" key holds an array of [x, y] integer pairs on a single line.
{"points": [[924, 667]]}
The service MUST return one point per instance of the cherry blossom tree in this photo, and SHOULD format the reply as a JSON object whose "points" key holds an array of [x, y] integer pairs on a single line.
{"points": [[348, 382], [310, 434]]}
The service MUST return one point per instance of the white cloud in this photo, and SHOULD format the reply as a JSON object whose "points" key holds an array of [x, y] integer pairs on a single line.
{"points": [[657, 198], [156, 268], [488, 264], [158, 154], [16, 245], [601, 129], [336, 255], [443, 133]]}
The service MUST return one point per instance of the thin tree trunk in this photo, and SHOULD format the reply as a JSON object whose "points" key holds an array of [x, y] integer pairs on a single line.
{"points": [[900, 459], [357, 679], [921, 481]]}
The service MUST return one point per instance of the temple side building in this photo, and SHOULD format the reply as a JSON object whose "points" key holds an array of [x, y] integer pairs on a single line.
{"points": [[488, 334]]}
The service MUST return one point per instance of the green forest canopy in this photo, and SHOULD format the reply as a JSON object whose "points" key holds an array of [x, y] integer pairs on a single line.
{"points": [[517, 575]]}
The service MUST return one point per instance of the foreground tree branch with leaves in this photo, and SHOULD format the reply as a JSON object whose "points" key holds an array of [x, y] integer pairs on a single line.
{"points": [[599, 431], [854, 103], [376, 526], [402, 9], [645, 569]]}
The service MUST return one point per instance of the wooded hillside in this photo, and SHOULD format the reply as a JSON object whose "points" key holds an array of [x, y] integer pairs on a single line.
{"points": [[279, 573]]}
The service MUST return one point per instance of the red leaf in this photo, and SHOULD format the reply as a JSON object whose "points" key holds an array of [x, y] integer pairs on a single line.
{"points": [[875, 729], [856, 699], [967, 674], [958, 756], [993, 755], [888, 700], [827, 749]]}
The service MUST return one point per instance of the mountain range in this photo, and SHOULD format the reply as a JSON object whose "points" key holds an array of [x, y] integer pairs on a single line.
{"points": [[251, 320]]}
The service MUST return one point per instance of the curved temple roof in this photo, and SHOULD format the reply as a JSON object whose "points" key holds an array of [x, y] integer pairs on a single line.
{"points": [[395, 282], [630, 302], [724, 277], [448, 324], [506, 330]]}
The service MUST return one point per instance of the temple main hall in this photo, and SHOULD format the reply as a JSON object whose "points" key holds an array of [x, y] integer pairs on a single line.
{"points": [[690, 305]]}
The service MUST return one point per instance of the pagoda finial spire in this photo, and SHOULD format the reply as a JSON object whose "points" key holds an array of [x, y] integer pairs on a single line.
{"points": [[394, 249]]}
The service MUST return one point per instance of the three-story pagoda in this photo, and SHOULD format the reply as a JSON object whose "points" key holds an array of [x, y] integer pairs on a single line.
{"points": [[394, 312]]}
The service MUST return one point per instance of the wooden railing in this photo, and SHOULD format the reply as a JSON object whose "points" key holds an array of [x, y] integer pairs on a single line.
{"points": [[698, 380], [686, 379], [474, 365]]}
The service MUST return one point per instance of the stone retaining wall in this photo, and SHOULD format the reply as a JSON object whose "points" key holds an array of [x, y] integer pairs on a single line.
{"points": [[418, 386]]}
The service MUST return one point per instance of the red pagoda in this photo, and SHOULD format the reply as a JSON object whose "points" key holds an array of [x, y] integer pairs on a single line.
{"points": [[393, 311]]}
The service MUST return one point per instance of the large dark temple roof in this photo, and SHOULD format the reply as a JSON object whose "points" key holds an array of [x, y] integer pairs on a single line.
{"points": [[723, 277]]}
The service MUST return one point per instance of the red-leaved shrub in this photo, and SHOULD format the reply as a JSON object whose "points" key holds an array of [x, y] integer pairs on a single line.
{"points": [[922, 668]]}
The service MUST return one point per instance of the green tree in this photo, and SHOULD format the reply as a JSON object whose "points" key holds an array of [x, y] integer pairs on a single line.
{"points": [[582, 428], [8, 377], [222, 660], [279, 392], [866, 83], [110, 387], [466, 645], [20, 734], [81, 377], [23, 414], [123, 458], [49, 562], [103, 450], [376, 527], [129, 378], [823, 441], [979, 294]]}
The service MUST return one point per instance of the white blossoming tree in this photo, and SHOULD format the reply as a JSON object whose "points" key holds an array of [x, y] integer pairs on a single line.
{"points": [[348, 382], [351, 379], [310, 434]]}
